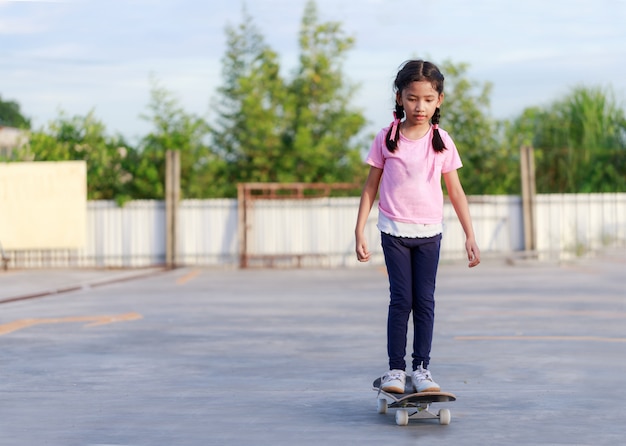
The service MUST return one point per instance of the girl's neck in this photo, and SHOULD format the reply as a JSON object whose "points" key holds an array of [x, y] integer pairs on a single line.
{"points": [[414, 131]]}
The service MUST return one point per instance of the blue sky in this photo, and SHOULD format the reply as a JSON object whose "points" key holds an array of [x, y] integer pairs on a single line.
{"points": [[78, 55]]}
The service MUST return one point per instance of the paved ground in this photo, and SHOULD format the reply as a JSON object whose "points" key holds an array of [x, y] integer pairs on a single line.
{"points": [[536, 354]]}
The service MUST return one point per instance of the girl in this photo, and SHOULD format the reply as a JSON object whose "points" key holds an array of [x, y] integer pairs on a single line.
{"points": [[407, 160]]}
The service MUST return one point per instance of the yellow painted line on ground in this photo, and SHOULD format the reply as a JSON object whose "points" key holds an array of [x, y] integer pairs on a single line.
{"points": [[93, 321], [540, 338], [187, 277]]}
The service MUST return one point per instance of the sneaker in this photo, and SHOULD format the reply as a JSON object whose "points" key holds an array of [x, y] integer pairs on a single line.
{"points": [[423, 382], [393, 381]]}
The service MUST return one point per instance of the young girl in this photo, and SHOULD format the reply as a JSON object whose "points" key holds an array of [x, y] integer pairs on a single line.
{"points": [[407, 160]]}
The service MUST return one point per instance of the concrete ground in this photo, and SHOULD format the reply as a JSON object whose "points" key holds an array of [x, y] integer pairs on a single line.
{"points": [[535, 352]]}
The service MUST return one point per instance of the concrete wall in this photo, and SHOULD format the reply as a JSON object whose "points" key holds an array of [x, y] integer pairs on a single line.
{"points": [[43, 205]]}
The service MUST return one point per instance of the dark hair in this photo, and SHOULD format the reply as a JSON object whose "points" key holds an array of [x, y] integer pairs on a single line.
{"points": [[416, 71]]}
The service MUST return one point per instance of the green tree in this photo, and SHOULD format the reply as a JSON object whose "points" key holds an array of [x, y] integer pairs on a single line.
{"points": [[248, 135], [579, 141], [323, 127], [173, 129], [272, 129], [84, 138], [490, 167], [11, 115]]}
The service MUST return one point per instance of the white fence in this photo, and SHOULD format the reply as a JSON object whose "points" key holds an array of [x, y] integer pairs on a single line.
{"points": [[320, 231]]}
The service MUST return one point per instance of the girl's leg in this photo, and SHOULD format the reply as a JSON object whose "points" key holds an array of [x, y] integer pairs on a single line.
{"points": [[425, 260], [398, 261]]}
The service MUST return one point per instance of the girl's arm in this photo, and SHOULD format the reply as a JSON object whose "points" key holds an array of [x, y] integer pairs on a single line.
{"points": [[459, 202], [368, 196]]}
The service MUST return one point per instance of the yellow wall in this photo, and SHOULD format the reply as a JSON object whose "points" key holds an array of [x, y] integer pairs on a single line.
{"points": [[43, 205]]}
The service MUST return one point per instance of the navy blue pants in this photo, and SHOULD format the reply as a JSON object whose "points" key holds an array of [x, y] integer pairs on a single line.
{"points": [[412, 268]]}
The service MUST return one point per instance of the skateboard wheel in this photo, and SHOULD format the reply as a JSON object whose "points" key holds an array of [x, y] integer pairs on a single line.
{"points": [[402, 418], [445, 417], [381, 405]]}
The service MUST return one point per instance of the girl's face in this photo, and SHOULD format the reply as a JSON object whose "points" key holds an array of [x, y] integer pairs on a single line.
{"points": [[419, 100]]}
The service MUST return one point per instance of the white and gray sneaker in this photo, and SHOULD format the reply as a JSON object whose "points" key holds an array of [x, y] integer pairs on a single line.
{"points": [[423, 381], [393, 381]]}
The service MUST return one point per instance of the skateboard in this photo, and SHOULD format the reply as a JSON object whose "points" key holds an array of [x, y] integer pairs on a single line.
{"points": [[413, 405]]}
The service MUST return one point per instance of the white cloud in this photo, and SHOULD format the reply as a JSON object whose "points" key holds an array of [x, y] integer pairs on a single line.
{"points": [[56, 52], [20, 25]]}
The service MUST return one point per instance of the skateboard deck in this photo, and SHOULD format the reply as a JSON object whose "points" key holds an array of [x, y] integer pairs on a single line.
{"points": [[412, 405]]}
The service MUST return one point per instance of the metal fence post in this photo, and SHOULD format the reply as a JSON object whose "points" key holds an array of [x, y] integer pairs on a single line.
{"points": [[172, 198], [529, 193]]}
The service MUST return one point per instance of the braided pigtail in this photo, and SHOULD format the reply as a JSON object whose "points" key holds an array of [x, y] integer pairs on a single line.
{"points": [[393, 135], [416, 71], [438, 144]]}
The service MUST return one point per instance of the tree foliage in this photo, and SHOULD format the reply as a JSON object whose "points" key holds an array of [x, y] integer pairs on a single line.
{"points": [[84, 138], [249, 127], [489, 166], [283, 130], [270, 126], [172, 129], [11, 115], [579, 141], [321, 135]]}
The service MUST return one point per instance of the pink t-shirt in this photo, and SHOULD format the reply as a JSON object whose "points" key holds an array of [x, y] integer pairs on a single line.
{"points": [[410, 188]]}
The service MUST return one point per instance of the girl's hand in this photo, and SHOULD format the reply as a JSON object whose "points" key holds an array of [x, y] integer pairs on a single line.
{"points": [[365, 205], [362, 254], [473, 253]]}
